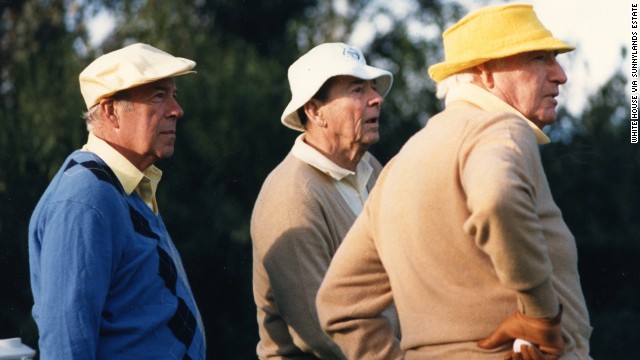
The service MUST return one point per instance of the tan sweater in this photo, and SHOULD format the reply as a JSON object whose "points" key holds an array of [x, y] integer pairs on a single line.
{"points": [[298, 222], [462, 226]]}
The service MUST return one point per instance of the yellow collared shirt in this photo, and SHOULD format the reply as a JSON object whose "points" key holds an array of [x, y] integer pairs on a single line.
{"points": [[130, 177]]}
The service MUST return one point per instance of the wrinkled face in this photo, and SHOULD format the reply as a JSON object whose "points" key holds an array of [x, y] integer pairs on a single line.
{"points": [[530, 83], [352, 111], [148, 122]]}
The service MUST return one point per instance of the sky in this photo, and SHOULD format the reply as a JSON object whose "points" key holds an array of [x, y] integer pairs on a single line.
{"points": [[598, 29]]}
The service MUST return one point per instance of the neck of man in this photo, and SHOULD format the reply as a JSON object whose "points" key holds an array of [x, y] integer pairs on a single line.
{"points": [[343, 157], [139, 161]]}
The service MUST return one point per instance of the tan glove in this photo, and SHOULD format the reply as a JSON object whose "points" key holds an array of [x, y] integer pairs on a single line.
{"points": [[545, 333]]}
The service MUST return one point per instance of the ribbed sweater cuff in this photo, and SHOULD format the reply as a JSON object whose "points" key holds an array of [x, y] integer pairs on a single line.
{"points": [[539, 302]]}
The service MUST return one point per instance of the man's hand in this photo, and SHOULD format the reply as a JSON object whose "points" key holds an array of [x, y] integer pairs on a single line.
{"points": [[544, 333], [527, 353]]}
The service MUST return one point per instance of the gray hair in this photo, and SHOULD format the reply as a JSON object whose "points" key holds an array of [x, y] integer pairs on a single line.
{"points": [[94, 115], [453, 81]]}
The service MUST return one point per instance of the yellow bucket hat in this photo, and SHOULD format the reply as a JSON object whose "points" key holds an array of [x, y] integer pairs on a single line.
{"points": [[493, 32]]}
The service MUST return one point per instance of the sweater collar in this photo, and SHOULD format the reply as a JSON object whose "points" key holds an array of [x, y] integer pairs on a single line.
{"points": [[128, 175], [487, 101]]}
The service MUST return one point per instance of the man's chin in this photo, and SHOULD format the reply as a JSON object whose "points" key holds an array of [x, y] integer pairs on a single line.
{"points": [[371, 139], [166, 153], [547, 118]]}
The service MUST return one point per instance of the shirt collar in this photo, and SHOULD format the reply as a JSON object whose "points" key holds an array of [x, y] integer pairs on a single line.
{"points": [[313, 157], [128, 175], [487, 101]]}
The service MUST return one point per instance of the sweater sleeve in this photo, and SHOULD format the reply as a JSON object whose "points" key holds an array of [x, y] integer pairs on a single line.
{"points": [[73, 270], [296, 264], [354, 294], [500, 172]]}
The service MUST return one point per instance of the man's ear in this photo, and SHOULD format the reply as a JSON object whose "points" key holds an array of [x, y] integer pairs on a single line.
{"points": [[108, 107], [312, 110], [486, 75]]}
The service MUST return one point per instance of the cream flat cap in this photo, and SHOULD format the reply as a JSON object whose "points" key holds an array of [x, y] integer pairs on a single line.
{"points": [[129, 67]]}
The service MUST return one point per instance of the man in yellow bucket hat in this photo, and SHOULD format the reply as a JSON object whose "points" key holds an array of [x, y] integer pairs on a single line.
{"points": [[107, 280], [461, 230]]}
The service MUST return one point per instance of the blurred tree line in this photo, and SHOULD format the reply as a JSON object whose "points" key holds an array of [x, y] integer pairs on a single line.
{"points": [[231, 137]]}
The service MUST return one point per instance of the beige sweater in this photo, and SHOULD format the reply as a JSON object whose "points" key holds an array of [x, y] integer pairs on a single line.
{"points": [[461, 230], [298, 222]]}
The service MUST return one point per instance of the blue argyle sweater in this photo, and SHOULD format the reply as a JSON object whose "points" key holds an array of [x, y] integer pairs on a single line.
{"points": [[106, 278]]}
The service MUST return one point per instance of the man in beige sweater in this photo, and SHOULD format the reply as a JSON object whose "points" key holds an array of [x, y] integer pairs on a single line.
{"points": [[461, 230], [310, 200]]}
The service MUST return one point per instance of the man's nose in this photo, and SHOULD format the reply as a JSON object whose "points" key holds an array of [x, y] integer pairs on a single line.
{"points": [[557, 73], [176, 109], [376, 99]]}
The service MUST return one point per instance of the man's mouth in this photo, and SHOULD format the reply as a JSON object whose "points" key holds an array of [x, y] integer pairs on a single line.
{"points": [[372, 121]]}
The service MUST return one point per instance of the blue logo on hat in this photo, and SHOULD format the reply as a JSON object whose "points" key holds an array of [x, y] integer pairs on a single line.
{"points": [[351, 53]]}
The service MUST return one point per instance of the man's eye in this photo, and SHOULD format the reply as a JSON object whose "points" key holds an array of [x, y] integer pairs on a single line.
{"points": [[544, 57]]}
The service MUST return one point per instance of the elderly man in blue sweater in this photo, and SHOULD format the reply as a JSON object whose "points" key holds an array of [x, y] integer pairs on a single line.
{"points": [[107, 280]]}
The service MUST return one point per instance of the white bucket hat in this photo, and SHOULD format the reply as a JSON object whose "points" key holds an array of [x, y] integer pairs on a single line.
{"points": [[131, 66], [311, 70]]}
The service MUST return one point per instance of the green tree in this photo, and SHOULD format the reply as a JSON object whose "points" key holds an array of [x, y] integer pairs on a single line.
{"points": [[40, 122]]}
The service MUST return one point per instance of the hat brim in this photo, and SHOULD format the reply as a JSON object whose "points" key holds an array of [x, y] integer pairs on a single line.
{"points": [[441, 71], [384, 79], [139, 83]]}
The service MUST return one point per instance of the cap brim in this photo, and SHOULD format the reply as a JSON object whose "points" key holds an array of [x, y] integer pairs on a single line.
{"points": [[140, 83]]}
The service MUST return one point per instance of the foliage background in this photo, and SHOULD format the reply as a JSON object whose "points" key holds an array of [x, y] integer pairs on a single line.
{"points": [[230, 138]]}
